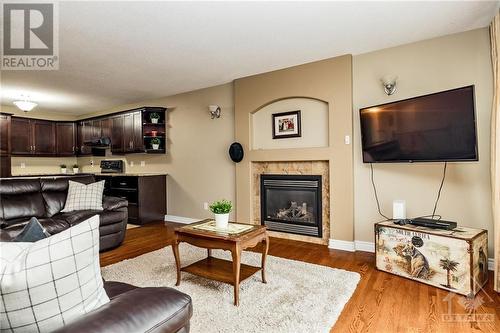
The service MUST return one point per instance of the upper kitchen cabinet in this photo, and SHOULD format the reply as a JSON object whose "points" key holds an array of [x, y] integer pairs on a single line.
{"points": [[84, 134], [33, 137], [132, 132], [66, 138], [4, 134], [21, 136], [117, 134], [44, 135]]}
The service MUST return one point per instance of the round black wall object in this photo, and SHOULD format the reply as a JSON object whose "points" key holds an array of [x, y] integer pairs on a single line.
{"points": [[236, 152]]}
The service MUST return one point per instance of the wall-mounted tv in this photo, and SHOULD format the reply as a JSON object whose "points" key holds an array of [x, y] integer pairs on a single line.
{"points": [[429, 128]]}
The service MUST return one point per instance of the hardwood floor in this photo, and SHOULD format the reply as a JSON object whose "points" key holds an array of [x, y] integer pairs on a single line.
{"points": [[382, 302]]}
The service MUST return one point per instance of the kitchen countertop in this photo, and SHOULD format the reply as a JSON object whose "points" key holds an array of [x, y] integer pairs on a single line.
{"points": [[132, 174], [144, 174]]}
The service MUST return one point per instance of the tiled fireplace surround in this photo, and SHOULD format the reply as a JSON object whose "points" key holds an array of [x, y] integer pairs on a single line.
{"points": [[294, 168]]}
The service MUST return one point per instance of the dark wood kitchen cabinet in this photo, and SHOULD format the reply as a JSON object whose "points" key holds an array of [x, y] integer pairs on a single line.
{"points": [[33, 137], [84, 131], [44, 137], [5, 166], [106, 124], [146, 195], [21, 136], [117, 134], [132, 132], [4, 134], [65, 138]]}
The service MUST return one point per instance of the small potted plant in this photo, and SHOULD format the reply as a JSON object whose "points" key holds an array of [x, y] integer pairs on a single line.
{"points": [[155, 143], [155, 117], [75, 168], [221, 210], [63, 168]]}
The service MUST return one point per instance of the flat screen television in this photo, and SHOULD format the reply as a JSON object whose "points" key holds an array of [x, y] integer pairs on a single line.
{"points": [[429, 128]]}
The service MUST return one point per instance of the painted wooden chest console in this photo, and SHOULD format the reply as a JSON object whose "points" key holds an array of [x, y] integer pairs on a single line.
{"points": [[455, 260]]}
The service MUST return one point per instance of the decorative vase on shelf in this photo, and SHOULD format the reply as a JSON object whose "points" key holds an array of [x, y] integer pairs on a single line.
{"points": [[221, 220], [75, 170], [155, 143], [64, 170], [154, 117]]}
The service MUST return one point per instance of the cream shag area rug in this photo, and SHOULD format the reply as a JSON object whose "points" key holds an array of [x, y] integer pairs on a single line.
{"points": [[298, 297]]}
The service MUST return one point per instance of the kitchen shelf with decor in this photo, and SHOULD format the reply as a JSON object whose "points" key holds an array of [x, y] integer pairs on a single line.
{"points": [[154, 131]]}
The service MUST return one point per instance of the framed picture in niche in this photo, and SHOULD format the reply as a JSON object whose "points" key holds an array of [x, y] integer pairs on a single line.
{"points": [[286, 125]]}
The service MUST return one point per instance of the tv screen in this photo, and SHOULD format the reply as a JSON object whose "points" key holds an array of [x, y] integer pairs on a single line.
{"points": [[435, 127]]}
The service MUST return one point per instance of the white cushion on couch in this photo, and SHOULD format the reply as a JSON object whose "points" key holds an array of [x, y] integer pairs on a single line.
{"points": [[82, 197], [47, 284]]}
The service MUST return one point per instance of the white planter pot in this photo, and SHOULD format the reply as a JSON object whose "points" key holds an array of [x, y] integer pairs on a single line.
{"points": [[75, 170], [154, 120], [221, 220], [156, 146], [64, 170]]}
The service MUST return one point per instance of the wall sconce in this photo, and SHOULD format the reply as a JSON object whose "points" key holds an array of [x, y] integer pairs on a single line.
{"points": [[389, 84], [215, 111]]}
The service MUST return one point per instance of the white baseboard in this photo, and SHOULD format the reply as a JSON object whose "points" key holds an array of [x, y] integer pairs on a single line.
{"points": [[337, 244], [364, 246], [180, 219], [370, 247]]}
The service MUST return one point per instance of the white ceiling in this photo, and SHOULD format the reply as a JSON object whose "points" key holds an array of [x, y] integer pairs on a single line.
{"points": [[113, 53]]}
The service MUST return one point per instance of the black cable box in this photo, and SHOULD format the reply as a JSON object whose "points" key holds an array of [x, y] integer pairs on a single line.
{"points": [[431, 223]]}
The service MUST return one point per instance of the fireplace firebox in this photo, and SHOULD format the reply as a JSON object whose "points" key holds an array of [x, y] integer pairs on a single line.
{"points": [[291, 203]]}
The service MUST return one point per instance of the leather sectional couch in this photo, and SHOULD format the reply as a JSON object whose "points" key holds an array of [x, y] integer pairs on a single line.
{"points": [[44, 198], [132, 309]]}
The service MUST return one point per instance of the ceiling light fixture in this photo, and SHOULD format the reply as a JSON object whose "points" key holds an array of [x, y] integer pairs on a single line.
{"points": [[25, 105]]}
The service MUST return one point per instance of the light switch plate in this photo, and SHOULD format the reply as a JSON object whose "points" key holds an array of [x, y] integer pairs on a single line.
{"points": [[347, 139]]}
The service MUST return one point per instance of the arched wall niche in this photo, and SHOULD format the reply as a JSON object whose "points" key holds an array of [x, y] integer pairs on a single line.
{"points": [[314, 124]]}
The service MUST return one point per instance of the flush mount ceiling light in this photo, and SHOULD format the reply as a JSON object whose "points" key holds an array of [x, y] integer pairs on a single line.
{"points": [[25, 105]]}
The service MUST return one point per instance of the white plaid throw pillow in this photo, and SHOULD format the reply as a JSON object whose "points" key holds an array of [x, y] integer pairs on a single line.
{"points": [[47, 284], [81, 196]]}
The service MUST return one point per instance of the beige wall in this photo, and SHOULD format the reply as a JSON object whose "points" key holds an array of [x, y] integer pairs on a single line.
{"points": [[314, 124], [327, 80], [426, 67]]}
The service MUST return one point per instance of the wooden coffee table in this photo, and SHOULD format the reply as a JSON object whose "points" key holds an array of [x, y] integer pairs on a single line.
{"points": [[231, 272]]}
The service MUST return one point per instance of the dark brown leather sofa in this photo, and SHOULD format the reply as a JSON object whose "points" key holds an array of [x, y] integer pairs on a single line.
{"points": [[45, 197], [132, 309]]}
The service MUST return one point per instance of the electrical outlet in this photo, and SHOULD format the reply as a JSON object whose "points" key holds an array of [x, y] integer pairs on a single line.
{"points": [[347, 140], [131, 163], [205, 205], [23, 165], [143, 163], [92, 163]]}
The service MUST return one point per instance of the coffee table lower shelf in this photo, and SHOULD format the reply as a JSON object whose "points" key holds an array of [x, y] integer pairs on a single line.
{"points": [[219, 270]]}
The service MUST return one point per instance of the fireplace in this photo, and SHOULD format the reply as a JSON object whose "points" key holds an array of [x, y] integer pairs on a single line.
{"points": [[291, 203]]}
